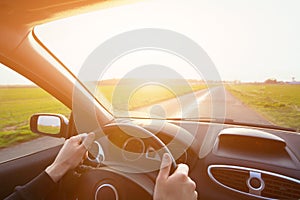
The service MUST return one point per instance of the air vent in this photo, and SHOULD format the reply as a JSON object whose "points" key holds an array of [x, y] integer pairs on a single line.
{"points": [[280, 188], [235, 179], [253, 182]]}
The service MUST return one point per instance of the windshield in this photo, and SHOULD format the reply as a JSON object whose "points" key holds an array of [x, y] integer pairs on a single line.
{"points": [[191, 60]]}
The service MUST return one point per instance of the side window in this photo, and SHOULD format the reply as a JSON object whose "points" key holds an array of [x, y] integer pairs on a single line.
{"points": [[19, 99]]}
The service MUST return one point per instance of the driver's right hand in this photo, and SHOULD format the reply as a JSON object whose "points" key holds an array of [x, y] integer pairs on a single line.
{"points": [[177, 186]]}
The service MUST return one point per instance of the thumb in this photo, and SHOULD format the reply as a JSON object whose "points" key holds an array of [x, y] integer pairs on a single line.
{"points": [[165, 168], [88, 140]]}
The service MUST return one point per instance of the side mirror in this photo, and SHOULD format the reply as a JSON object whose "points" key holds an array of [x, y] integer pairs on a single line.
{"points": [[54, 125]]}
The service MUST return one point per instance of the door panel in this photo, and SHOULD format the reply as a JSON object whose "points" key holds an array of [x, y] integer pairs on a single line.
{"points": [[22, 170]]}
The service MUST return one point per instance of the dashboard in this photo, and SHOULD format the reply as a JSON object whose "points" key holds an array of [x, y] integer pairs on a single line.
{"points": [[226, 161]]}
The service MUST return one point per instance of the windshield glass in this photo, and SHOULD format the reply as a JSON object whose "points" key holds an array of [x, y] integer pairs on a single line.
{"points": [[192, 60]]}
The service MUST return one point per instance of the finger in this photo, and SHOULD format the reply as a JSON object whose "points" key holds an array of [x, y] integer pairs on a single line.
{"points": [[88, 140], [193, 184], [195, 195], [165, 167], [182, 169], [77, 138], [82, 136]]}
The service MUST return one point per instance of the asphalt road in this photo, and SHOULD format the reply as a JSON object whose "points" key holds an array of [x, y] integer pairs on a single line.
{"points": [[216, 103], [209, 103], [29, 147]]}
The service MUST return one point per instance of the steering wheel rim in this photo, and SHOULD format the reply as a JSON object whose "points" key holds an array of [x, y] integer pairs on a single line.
{"points": [[88, 180], [77, 176]]}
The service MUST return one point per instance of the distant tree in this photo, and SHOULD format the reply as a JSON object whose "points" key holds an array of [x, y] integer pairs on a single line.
{"points": [[271, 81]]}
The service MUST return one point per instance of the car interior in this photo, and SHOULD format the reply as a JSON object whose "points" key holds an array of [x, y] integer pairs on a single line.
{"points": [[227, 159]]}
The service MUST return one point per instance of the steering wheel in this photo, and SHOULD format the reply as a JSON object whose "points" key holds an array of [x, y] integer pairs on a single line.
{"points": [[126, 177], [121, 133]]}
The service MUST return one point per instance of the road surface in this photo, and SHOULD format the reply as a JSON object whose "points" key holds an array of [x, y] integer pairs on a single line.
{"points": [[27, 148], [215, 103], [208, 103]]}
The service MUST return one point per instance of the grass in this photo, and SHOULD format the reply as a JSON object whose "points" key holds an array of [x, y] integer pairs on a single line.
{"points": [[49, 129], [279, 103], [17, 104]]}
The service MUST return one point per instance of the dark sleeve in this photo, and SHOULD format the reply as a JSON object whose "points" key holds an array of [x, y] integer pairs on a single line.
{"points": [[36, 189]]}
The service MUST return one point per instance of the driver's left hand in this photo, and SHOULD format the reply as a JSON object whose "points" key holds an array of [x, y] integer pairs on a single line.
{"points": [[70, 155]]}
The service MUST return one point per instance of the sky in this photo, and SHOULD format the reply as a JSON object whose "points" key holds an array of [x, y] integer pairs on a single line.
{"points": [[247, 40]]}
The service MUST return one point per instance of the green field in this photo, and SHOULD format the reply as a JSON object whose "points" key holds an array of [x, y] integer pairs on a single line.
{"points": [[279, 103], [17, 104]]}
